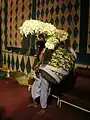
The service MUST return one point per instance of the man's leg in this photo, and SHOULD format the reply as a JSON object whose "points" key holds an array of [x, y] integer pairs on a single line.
{"points": [[44, 94], [35, 91]]}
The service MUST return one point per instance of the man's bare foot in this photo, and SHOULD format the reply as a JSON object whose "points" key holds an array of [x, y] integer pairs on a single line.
{"points": [[42, 111], [34, 104]]}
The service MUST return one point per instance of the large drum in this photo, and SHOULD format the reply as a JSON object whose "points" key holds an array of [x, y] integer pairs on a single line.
{"points": [[57, 65]]}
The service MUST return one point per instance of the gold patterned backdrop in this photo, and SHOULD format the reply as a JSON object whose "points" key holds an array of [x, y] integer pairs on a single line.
{"points": [[13, 14], [2, 3], [18, 12], [64, 14]]}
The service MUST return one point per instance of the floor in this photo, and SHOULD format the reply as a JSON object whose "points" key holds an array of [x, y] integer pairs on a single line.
{"points": [[15, 98]]}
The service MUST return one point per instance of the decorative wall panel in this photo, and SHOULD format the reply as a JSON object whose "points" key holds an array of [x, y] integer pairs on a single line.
{"points": [[18, 12], [13, 14], [64, 14], [17, 62], [3, 24]]}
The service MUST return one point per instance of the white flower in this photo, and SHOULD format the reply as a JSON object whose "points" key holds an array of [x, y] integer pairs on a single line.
{"points": [[37, 27], [49, 46], [62, 35]]}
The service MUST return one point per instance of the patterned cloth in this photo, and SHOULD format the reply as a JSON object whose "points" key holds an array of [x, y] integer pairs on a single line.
{"points": [[60, 59]]}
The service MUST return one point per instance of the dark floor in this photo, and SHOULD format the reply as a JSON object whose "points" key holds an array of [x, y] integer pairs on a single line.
{"points": [[14, 100]]}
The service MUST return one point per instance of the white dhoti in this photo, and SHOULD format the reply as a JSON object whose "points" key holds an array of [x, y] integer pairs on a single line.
{"points": [[41, 88]]}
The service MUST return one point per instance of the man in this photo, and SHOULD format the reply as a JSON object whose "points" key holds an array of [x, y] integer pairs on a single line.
{"points": [[52, 67]]}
